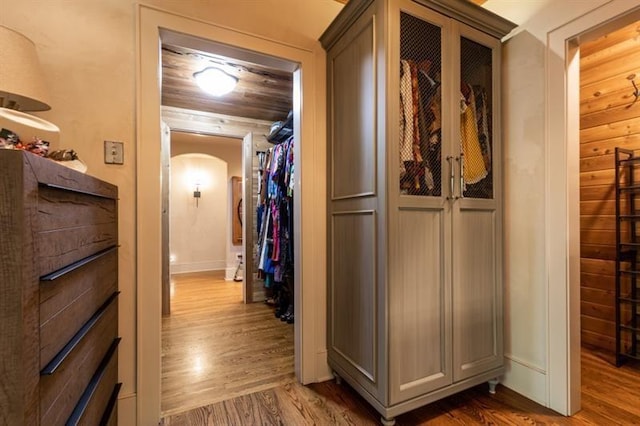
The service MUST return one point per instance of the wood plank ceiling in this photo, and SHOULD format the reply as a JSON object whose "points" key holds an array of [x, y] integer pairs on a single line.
{"points": [[261, 93]]}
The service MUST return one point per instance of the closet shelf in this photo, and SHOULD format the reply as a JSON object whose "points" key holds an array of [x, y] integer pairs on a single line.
{"points": [[630, 328], [629, 300], [629, 161], [627, 293], [630, 188], [282, 131]]}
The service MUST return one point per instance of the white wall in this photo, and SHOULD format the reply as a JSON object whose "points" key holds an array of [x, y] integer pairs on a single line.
{"points": [[228, 150], [198, 226], [538, 233]]}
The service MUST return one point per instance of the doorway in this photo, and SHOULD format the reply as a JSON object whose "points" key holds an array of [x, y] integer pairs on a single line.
{"points": [[608, 120], [563, 202], [309, 77], [211, 342]]}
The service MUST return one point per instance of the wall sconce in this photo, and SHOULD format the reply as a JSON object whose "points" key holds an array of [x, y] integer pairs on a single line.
{"points": [[196, 193]]}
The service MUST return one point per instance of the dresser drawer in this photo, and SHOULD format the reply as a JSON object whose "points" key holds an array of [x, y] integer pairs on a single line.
{"points": [[64, 380], [68, 301], [72, 225], [95, 403]]}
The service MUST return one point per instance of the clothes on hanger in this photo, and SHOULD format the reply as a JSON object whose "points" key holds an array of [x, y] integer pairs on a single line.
{"points": [[421, 134], [275, 220]]}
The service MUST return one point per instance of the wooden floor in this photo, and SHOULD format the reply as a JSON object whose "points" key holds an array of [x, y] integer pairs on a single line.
{"points": [[610, 396], [214, 347]]}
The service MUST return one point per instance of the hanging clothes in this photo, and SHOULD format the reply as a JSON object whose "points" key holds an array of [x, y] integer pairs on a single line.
{"points": [[474, 169], [483, 124], [276, 225]]}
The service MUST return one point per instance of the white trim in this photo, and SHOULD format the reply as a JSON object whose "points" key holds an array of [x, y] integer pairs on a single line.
{"points": [[527, 378], [210, 265], [526, 364], [310, 205], [562, 216]]}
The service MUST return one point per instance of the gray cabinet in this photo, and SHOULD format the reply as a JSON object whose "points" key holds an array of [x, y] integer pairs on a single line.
{"points": [[414, 199]]}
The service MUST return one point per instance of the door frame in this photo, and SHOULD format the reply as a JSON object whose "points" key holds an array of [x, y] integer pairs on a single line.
{"points": [[562, 182], [309, 206]]}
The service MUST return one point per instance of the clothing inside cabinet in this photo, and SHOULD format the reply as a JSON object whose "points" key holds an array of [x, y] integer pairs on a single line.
{"points": [[420, 107], [476, 141]]}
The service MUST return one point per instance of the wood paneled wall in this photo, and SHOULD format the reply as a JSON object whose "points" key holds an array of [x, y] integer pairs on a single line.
{"points": [[607, 120]]}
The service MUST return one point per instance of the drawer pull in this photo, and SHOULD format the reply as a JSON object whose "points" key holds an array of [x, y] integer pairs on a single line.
{"points": [[75, 265], [83, 403], [69, 347], [111, 405], [78, 191]]}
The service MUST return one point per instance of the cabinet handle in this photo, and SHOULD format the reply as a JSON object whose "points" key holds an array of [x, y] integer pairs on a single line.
{"points": [[76, 265], [91, 388], [57, 361], [77, 190], [451, 178], [461, 189]]}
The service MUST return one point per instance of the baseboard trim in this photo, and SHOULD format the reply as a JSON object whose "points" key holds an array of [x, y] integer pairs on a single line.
{"points": [[526, 379], [183, 268], [127, 409]]}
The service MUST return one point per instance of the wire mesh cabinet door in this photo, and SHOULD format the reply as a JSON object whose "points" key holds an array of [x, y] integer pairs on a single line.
{"points": [[420, 359], [476, 209]]}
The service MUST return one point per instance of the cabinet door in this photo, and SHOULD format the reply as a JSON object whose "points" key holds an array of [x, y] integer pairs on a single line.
{"points": [[419, 221], [477, 251], [355, 332]]}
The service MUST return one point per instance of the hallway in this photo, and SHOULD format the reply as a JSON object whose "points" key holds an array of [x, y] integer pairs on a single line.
{"points": [[215, 348]]}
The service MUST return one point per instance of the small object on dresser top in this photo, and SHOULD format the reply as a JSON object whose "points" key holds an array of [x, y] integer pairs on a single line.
{"points": [[11, 140], [68, 158]]}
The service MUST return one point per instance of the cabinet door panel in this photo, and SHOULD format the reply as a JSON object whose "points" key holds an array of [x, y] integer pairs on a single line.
{"points": [[420, 333], [477, 217], [477, 316], [353, 290], [353, 110]]}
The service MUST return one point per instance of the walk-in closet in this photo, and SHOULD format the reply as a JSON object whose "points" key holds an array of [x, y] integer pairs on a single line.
{"points": [[274, 219], [609, 203]]}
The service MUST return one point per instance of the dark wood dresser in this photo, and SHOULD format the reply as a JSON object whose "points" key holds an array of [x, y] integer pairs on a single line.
{"points": [[58, 294]]}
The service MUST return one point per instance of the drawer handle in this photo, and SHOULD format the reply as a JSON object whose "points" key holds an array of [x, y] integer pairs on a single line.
{"points": [[111, 405], [75, 340], [78, 191], [75, 265], [90, 390]]}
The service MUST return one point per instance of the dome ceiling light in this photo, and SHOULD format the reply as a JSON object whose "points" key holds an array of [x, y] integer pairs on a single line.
{"points": [[214, 81]]}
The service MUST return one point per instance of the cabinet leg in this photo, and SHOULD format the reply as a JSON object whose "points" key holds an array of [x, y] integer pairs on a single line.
{"points": [[492, 385], [387, 422], [338, 378]]}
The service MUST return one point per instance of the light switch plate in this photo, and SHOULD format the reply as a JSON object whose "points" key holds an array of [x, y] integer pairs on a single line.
{"points": [[113, 152]]}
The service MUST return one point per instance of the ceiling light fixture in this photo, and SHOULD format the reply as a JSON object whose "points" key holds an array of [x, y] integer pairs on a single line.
{"points": [[214, 81]]}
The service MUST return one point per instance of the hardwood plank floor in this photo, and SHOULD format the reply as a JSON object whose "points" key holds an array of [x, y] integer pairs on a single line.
{"points": [[215, 348], [610, 395]]}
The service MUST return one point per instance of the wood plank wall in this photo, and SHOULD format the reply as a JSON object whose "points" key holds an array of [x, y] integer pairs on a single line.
{"points": [[606, 121]]}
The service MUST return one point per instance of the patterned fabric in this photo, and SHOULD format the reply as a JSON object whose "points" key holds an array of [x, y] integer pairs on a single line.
{"points": [[274, 246], [474, 169]]}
